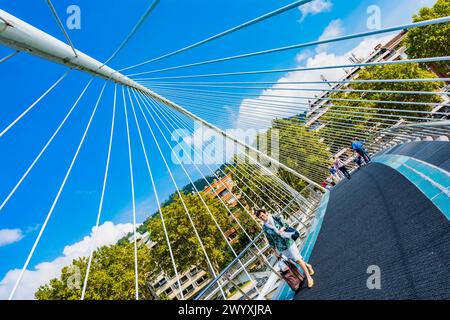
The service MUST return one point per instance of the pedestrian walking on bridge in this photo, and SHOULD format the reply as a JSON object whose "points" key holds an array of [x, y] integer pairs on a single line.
{"points": [[339, 165], [334, 174], [281, 238], [358, 147]]}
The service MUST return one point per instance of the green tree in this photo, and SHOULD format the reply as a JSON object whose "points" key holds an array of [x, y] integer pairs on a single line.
{"points": [[302, 150], [297, 147], [254, 185], [111, 276], [433, 40], [185, 246], [250, 226], [351, 118], [401, 71]]}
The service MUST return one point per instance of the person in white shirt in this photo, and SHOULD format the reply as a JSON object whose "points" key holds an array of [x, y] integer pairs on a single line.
{"points": [[339, 165]]}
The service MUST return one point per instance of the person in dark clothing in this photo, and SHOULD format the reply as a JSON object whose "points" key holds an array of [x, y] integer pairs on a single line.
{"points": [[334, 174], [358, 160], [358, 147], [339, 165]]}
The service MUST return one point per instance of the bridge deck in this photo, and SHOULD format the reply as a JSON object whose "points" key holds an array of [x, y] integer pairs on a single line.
{"points": [[380, 218], [434, 152]]}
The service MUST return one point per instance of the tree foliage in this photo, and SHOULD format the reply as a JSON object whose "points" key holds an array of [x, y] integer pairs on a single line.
{"points": [[111, 276], [302, 150], [251, 227], [307, 155], [432, 40], [112, 269], [361, 117], [184, 243]]}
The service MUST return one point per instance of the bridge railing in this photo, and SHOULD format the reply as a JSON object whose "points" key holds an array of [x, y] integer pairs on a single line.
{"points": [[427, 131], [258, 258]]}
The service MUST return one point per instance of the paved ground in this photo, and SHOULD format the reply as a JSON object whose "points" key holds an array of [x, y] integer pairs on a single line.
{"points": [[380, 218]]}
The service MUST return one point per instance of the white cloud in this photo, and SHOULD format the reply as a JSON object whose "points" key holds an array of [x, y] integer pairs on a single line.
{"points": [[106, 234], [428, 3], [206, 146], [315, 7], [302, 56], [8, 236], [333, 30], [261, 118]]}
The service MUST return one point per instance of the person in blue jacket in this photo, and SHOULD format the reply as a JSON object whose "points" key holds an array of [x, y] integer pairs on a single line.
{"points": [[358, 147]]}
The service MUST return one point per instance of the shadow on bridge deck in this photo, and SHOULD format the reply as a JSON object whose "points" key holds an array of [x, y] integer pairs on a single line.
{"points": [[380, 218]]}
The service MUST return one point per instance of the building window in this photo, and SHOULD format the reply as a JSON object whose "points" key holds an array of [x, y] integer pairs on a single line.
{"points": [[168, 291], [232, 236], [194, 271], [188, 290], [160, 283], [224, 193], [201, 280], [184, 279], [232, 200]]}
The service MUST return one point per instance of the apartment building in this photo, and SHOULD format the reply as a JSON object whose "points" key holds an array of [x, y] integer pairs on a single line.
{"points": [[222, 189], [191, 282]]}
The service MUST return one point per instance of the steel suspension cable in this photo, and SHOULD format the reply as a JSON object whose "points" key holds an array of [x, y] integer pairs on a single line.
{"points": [[223, 33], [61, 26], [17, 185], [34, 103], [302, 45], [9, 56], [181, 198], [302, 69], [133, 199], [100, 207], [133, 31], [55, 201]]}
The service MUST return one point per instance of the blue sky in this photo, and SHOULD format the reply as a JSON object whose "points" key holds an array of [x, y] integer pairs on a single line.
{"points": [[104, 24]]}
